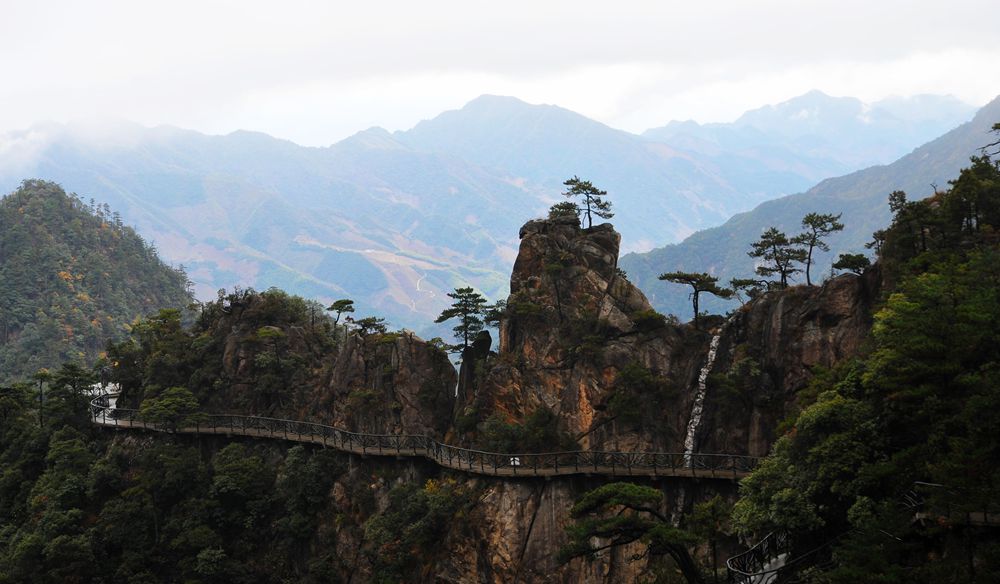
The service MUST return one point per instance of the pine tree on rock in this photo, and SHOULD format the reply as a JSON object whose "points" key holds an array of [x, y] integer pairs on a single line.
{"points": [[779, 254], [342, 306], [699, 282], [593, 202], [817, 227], [469, 307]]}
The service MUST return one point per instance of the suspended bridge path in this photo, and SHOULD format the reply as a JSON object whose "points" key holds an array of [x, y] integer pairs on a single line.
{"points": [[585, 462]]}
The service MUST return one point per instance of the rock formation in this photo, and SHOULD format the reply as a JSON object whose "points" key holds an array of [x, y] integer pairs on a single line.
{"points": [[574, 332], [576, 338]]}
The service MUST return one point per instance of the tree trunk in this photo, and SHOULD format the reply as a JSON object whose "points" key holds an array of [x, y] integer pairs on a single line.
{"points": [[695, 298], [809, 259], [686, 564]]}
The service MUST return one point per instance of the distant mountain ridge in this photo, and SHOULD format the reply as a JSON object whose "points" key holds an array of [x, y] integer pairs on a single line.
{"points": [[861, 197], [843, 132], [392, 220]]}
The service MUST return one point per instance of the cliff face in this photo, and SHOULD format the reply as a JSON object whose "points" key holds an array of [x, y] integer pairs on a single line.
{"points": [[574, 334], [771, 348], [576, 338], [573, 323], [581, 340]]}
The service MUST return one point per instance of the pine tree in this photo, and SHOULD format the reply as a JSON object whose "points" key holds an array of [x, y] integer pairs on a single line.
{"points": [[699, 282], [779, 254], [817, 226], [469, 308], [593, 203]]}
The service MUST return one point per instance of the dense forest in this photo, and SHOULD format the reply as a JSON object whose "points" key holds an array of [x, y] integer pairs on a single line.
{"points": [[72, 277], [908, 429]]}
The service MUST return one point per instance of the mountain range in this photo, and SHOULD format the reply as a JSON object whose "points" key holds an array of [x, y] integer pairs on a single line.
{"points": [[861, 197], [394, 220]]}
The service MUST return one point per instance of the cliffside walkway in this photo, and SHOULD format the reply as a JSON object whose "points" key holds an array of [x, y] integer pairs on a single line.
{"points": [[585, 462]]}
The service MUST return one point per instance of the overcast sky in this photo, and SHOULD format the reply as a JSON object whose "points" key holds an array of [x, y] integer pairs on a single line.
{"points": [[315, 72]]}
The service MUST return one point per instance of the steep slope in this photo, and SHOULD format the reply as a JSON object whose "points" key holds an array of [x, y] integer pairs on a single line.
{"points": [[860, 196], [71, 278]]}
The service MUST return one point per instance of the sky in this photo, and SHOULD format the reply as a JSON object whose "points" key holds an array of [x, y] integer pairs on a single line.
{"points": [[316, 72]]}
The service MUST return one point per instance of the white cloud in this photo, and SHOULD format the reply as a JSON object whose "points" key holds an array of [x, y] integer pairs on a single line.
{"points": [[315, 72]]}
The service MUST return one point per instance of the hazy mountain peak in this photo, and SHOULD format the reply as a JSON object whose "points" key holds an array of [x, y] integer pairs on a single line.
{"points": [[374, 138], [488, 100], [812, 107]]}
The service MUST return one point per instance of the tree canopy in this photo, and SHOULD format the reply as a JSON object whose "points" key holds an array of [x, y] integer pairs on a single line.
{"points": [[913, 412], [72, 277]]}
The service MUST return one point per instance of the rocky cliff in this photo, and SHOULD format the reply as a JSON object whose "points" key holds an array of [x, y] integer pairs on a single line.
{"points": [[579, 339]]}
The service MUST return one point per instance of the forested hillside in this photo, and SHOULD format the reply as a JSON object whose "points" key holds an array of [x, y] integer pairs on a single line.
{"points": [[896, 464], [72, 277]]}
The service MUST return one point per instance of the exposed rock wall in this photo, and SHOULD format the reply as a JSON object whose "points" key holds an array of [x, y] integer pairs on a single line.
{"points": [[573, 328], [573, 324]]}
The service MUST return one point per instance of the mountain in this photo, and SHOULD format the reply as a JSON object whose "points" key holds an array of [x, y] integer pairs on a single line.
{"points": [[367, 218], [861, 197], [391, 220], [72, 278], [819, 136], [660, 193]]}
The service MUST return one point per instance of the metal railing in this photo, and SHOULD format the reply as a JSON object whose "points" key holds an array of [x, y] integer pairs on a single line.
{"points": [[757, 564], [700, 465]]}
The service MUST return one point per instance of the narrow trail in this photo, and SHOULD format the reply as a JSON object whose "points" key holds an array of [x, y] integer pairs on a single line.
{"points": [[730, 467]]}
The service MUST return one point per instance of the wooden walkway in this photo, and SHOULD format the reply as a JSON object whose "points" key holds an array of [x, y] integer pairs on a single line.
{"points": [[585, 462]]}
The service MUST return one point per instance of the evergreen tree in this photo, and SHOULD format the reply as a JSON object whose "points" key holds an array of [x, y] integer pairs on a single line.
{"points": [[618, 514], [469, 307], [593, 202], [817, 226], [852, 262], [342, 306], [779, 254], [699, 282]]}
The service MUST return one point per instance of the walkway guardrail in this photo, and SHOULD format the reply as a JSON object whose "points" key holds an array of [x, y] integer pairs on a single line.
{"points": [[698, 465], [759, 564]]}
